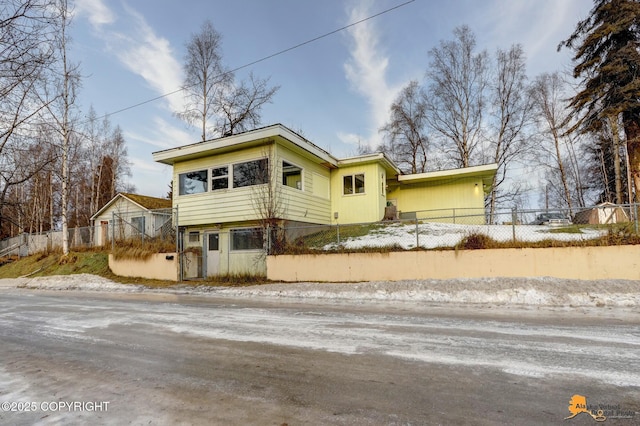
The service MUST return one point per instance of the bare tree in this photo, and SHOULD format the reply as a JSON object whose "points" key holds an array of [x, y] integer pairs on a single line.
{"points": [[239, 107], [458, 77], [205, 77], [214, 101], [26, 51], [268, 200], [512, 114], [548, 94], [407, 141], [67, 80]]}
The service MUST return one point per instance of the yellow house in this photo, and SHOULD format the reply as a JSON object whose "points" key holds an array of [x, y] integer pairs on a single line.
{"points": [[227, 190]]}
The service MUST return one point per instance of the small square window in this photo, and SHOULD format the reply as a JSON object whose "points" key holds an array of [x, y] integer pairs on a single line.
{"points": [[291, 175], [194, 237], [353, 184]]}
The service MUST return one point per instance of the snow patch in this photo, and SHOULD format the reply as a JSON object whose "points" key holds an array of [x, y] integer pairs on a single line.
{"points": [[544, 291]]}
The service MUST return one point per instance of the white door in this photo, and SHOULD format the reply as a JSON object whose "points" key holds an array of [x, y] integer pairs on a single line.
{"points": [[213, 254]]}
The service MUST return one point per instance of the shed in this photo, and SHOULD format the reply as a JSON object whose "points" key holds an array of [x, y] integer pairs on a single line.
{"points": [[127, 215], [604, 213]]}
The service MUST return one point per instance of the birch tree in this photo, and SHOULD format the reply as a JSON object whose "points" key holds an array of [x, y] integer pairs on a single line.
{"points": [[407, 141], [511, 116], [458, 78]]}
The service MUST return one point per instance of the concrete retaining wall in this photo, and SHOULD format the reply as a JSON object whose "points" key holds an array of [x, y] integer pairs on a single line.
{"points": [[587, 263], [161, 266]]}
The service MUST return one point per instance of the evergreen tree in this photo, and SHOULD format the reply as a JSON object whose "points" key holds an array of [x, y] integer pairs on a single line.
{"points": [[607, 59]]}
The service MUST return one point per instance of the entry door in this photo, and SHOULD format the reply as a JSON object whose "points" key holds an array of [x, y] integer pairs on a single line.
{"points": [[213, 254], [104, 231]]}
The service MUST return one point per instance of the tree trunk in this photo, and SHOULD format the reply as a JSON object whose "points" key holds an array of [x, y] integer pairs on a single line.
{"points": [[615, 134], [632, 131]]}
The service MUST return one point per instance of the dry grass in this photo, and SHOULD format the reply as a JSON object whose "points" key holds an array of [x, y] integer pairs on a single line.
{"points": [[236, 280], [135, 249]]}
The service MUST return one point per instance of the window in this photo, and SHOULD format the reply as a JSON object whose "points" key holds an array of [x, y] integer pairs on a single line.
{"points": [[192, 182], [214, 242], [220, 178], [247, 239], [137, 223], [250, 173], [194, 237], [353, 184], [291, 175]]}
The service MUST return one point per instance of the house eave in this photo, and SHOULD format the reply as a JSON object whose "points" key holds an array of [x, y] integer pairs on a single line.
{"points": [[485, 172], [377, 157], [248, 139]]}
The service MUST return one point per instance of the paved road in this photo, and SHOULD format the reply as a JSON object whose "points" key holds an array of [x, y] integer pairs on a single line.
{"points": [[170, 359]]}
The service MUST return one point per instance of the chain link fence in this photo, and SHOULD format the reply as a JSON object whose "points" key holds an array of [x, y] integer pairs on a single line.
{"points": [[609, 224], [145, 229]]}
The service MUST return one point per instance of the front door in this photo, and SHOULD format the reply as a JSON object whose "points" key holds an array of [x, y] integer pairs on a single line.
{"points": [[213, 254]]}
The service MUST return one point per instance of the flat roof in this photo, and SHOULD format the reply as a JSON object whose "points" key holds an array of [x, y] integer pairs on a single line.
{"points": [[485, 172], [246, 139]]}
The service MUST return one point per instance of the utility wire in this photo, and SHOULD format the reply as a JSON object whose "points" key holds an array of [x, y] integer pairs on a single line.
{"points": [[265, 58]]}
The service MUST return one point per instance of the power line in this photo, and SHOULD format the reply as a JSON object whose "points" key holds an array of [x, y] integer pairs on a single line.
{"points": [[265, 58]]}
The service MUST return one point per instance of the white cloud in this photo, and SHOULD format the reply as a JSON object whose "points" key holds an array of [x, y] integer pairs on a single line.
{"points": [[149, 56], [136, 45], [366, 70], [96, 11]]}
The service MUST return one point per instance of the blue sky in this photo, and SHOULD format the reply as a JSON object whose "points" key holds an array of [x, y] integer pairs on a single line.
{"points": [[335, 91]]}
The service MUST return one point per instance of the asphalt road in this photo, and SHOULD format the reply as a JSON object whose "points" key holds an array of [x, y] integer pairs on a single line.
{"points": [[89, 358]]}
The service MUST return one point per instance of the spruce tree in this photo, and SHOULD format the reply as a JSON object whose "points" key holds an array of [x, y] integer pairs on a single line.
{"points": [[607, 60]]}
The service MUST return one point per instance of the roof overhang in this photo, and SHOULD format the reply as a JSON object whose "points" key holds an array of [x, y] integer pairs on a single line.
{"points": [[485, 172], [378, 157], [258, 137]]}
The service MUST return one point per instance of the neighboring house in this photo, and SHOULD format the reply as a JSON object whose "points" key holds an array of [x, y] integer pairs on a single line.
{"points": [[128, 215], [226, 189], [604, 213]]}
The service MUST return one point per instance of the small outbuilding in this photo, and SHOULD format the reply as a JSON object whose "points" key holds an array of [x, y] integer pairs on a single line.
{"points": [[128, 215], [602, 214]]}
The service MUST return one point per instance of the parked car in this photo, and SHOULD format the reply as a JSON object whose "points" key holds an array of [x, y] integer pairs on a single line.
{"points": [[552, 219]]}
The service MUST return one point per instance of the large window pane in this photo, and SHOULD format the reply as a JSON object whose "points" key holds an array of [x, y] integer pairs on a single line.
{"points": [[247, 239], [192, 182], [250, 173]]}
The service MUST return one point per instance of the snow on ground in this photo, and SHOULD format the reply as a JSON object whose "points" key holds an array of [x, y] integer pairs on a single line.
{"points": [[432, 235], [544, 291]]}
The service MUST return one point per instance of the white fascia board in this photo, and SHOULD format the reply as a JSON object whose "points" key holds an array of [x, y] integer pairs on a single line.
{"points": [[200, 149], [484, 170]]}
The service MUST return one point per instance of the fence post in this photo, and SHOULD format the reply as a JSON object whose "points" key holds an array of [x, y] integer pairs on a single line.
{"points": [[113, 231], [514, 218], [338, 232], [417, 234], [454, 216], [635, 209]]}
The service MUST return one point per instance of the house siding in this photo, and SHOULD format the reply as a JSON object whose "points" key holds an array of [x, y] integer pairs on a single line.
{"points": [[359, 208], [462, 198], [241, 204]]}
